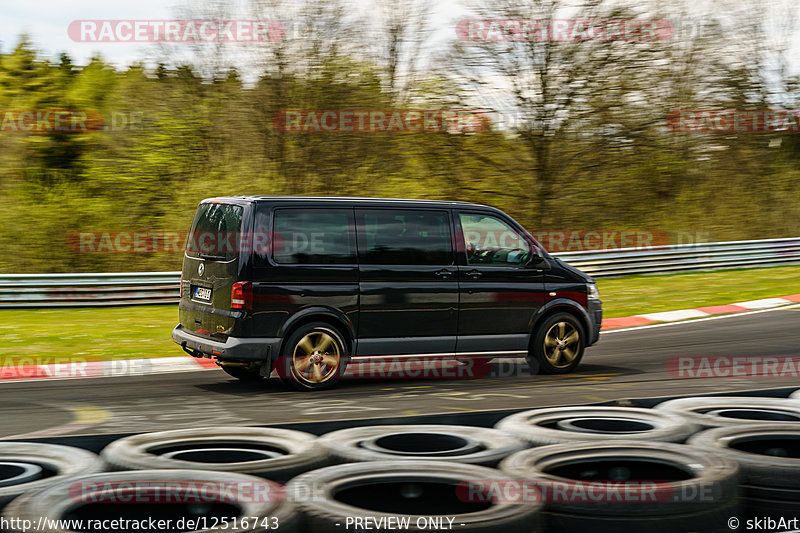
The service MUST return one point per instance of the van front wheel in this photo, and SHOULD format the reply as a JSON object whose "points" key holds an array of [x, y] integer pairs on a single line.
{"points": [[557, 345], [313, 357]]}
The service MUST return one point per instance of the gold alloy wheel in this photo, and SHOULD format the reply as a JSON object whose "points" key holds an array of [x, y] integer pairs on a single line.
{"points": [[561, 343], [316, 357]]}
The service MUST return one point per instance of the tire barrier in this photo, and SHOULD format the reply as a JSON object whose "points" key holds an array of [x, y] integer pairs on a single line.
{"points": [[418, 493], [721, 411], [457, 444], [193, 500], [276, 454], [572, 468], [26, 466], [541, 427], [769, 459], [611, 486]]}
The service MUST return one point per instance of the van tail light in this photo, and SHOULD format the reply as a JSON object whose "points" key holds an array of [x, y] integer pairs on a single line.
{"points": [[242, 295], [180, 295]]}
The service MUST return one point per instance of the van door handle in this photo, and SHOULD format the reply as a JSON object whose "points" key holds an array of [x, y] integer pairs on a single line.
{"points": [[474, 274], [444, 273]]}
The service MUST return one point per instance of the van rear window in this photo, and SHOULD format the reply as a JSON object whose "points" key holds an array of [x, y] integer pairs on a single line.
{"points": [[215, 232]]}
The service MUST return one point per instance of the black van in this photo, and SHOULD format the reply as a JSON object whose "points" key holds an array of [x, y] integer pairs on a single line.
{"points": [[302, 285]]}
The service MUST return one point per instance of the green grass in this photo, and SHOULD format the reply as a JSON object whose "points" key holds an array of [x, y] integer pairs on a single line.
{"points": [[73, 335], [64, 335], [635, 295]]}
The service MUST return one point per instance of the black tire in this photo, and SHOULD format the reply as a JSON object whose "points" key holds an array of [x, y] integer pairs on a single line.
{"points": [[768, 457], [584, 482], [243, 373], [713, 521], [72, 499], [556, 425], [292, 353], [277, 454], [327, 497], [458, 444], [544, 356], [29, 466], [758, 508], [747, 445], [727, 411]]}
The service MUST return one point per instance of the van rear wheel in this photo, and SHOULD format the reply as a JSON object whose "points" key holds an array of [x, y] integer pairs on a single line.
{"points": [[557, 345], [313, 357]]}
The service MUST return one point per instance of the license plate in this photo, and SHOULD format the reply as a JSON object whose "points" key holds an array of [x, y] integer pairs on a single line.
{"points": [[202, 293]]}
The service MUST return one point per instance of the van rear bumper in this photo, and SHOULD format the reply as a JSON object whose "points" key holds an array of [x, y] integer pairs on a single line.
{"points": [[233, 349]]}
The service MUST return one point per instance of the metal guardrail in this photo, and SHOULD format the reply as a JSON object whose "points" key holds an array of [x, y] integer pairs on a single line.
{"points": [[88, 290], [138, 288], [686, 257]]}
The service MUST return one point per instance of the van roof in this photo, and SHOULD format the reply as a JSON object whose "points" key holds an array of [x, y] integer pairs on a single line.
{"points": [[345, 199]]}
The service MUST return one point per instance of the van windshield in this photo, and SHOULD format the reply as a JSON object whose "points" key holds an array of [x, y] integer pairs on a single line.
{"points": [[215, 232]]}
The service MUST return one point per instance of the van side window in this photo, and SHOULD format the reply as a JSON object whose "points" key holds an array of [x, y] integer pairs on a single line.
{"points": [[404, 237], [490, 241], [313, 237]]}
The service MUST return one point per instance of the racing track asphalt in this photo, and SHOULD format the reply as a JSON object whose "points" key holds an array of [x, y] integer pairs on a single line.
{"points": [[625, 364]]}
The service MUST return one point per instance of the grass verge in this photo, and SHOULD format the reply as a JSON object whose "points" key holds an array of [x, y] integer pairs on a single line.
{"points": [[39, 336], [635, 295]]}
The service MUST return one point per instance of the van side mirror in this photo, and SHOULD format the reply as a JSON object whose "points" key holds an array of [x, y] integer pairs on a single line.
{"points": [[537, 261]]}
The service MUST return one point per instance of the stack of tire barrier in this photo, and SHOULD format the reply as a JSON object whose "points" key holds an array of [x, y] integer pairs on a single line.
{"points": [[687, 465], [762, 435], [620, 469]]}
